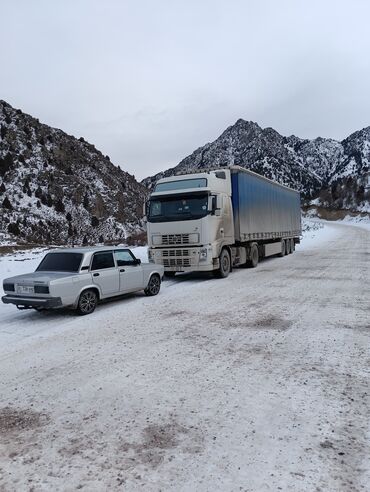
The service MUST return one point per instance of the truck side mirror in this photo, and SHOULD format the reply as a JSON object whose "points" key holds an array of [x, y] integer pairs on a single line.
{"points": [[212, 204], [216, 205]]}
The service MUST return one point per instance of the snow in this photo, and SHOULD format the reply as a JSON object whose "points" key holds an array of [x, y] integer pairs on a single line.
{"points": [[256, 382], [358, 221], [315, 232]]}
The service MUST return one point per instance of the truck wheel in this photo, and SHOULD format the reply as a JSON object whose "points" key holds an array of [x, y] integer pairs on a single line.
{"points": [[253, 262], [292, 245], [153, 286], [169, 274], [282, 253], [87, 302], [225, 264]]}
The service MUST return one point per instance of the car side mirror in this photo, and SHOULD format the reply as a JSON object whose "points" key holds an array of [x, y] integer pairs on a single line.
{"points": [[138, 261]]}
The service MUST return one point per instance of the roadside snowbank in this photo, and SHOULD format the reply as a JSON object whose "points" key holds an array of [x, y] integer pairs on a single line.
{"points": [[315, 232], [363, 222]]}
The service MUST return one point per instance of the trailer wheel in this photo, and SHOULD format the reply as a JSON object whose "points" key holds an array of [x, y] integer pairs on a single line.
{"points": [[283, 248], [253, 262], [292, 245], [225, 264], [287, 246]]}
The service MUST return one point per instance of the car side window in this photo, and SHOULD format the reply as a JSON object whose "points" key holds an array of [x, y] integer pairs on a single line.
{"points": [[124, 258], [102, 260]]}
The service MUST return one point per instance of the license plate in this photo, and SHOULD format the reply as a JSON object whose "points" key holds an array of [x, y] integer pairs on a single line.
{"points": [[25, 289]]}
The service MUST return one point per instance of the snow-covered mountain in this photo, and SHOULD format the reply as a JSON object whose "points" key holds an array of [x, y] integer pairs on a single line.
{"points": [[334, 172], [55, 188]]}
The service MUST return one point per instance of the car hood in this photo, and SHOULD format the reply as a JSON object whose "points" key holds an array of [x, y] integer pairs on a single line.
{"points": [[42, 277]]}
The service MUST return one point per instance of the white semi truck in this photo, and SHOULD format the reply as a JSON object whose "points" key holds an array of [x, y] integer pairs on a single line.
{"points": [[218, 219]]}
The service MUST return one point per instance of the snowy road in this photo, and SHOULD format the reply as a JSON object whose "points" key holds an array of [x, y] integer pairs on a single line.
{"points": [[257, 382]]}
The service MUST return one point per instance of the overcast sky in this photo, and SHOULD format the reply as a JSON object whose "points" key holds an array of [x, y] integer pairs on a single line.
{"points": [[150, 81]]}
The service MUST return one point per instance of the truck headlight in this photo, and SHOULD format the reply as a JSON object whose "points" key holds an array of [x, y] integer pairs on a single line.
{"points": [[156, 239], [203, 254], [150, 256]]}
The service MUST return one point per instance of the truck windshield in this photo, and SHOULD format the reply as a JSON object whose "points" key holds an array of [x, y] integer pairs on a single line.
{"points": [[60, 262], [189, 207]]}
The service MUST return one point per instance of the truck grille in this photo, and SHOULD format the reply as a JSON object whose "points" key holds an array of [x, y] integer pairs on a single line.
{"points": [[175, 252], [169, 239], [181, 262]]}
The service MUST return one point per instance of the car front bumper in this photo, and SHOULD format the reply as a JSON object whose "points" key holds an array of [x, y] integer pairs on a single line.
{"points": [[31, 302]]}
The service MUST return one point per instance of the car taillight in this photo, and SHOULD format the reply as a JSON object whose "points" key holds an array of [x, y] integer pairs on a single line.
{"points": [[9, 287], [41, 289]]}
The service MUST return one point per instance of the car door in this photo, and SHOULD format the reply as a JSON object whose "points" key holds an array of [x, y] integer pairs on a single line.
{"points": [[130, 271], [105, 273]]}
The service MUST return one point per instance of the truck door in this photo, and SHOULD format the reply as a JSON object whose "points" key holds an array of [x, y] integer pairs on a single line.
{"points": [[130, 271], [104, 273]]}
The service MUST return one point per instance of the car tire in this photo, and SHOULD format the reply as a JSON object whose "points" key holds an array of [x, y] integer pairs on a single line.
{"points": [[87, 302], [154, 286]]}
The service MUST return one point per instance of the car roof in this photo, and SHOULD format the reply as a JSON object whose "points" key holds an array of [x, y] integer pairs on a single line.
{"points": [[88, 249]]}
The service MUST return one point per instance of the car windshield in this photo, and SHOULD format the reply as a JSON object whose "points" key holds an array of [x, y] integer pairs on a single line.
{"points": [[170, 208], [60, 262]]}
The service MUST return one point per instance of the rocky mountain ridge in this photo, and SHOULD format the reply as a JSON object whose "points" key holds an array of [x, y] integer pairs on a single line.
{"points": [[55, 188], [335, 174]]}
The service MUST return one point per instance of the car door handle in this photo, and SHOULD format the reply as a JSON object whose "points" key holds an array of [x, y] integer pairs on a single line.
{"points": [[122, 270], [96, 274]]}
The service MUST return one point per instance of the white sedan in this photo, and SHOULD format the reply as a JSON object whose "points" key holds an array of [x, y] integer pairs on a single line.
{"points": [[80, 278]]}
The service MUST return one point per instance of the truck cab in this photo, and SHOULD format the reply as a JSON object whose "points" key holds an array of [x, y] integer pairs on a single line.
{"points": [[190, 221]]}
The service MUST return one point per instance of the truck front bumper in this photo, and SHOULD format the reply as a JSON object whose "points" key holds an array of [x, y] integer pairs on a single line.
{"points": [[33, 302], [183, 259]]}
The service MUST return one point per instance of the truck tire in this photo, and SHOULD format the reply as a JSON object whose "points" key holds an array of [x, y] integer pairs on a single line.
{"points": [[292, 245], [87, 302], [225, 264], [283, 248], [154, 285], [253, 262]]}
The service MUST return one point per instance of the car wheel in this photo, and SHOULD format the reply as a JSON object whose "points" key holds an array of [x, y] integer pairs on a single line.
{"points": [[153, 286], [87, 302]]}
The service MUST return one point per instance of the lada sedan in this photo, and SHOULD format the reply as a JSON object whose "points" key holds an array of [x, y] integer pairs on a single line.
{"points": [[80, 278]]}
